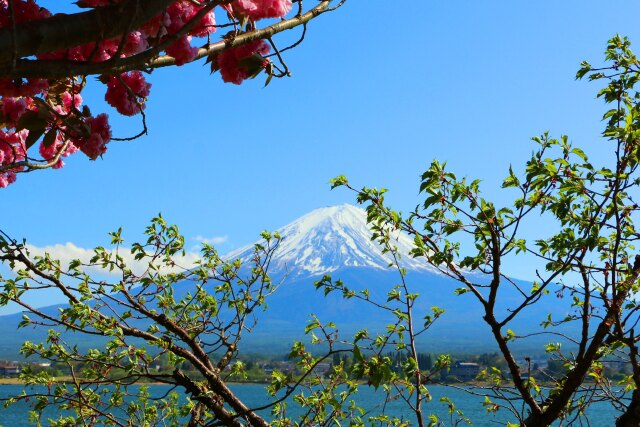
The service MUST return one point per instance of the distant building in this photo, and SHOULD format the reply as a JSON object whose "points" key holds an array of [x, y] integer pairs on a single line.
{"points": [[284, 367], [9, 370], [465, 371], [322, 368]]}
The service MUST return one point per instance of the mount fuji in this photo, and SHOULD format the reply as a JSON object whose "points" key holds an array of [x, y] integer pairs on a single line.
{"points": [[329, 239], [337, 241]]}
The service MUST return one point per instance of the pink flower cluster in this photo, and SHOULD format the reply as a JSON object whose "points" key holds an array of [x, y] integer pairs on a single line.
{"points": [[182, 51], [49, 152], [242, 62], [13, 108], [69, 102], [12, 150], [92, 145], [95, 143], [177, 15], [261, 9], [127, 93]]}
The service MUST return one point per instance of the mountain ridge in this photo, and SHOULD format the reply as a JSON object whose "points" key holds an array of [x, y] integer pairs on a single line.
{"points": [[336, 240]]}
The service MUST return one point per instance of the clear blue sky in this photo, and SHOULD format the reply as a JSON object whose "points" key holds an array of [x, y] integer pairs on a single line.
{"points": [[379, 89]]}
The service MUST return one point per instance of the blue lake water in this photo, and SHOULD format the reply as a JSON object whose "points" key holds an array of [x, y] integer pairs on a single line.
{"points": [[254, 395]]}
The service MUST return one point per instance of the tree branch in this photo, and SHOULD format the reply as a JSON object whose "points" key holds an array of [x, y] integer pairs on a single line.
{"points": [[65, 31]]}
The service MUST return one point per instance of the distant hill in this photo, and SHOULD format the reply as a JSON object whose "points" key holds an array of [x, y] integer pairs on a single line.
{"points": [[336, 241]]}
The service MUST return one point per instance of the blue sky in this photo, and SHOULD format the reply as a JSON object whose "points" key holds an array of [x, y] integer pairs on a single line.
{"points": [[377, 92]]}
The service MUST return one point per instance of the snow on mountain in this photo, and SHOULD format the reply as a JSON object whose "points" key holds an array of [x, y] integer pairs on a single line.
{"points": [[327, 239]]}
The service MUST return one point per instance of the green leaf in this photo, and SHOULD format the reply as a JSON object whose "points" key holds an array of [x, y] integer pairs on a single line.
{"points": [[338, 181], [585, 67], [510, 335], [314, 324]]}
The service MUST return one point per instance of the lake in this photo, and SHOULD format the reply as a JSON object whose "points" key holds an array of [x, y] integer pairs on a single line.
{"points": [[254, 395]]}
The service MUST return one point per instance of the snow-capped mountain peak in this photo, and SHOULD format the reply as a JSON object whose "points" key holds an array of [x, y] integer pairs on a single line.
{"points": [[330, 238]]}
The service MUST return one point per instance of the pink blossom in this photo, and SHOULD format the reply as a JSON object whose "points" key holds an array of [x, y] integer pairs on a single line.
{"points": [[94, 147], [234, 64], [100, 125], [136, 43], [182, 51], [179, 12], [69, 101], [156, 27], [260, 9], [129, 98], [207, 25], [12, 148], [104, 50], [13, 108], [48, 153], [177, 15], [7, 178], [183, 12], [95, 144]]}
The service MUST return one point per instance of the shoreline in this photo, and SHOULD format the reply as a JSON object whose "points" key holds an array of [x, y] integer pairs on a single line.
{"points": [[18, 381], [10, 381]]}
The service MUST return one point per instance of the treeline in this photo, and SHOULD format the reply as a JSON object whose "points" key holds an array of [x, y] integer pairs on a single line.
{"points": [[258, 367]]}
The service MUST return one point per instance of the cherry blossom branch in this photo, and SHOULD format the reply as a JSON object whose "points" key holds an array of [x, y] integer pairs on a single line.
{"points": [[147, 60]]}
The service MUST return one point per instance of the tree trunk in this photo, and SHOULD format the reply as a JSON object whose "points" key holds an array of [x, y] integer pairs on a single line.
{"points": [[631, 418]]}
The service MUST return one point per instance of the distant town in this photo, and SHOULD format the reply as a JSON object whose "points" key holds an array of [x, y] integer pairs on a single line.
{"points": [[259, 368]]}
